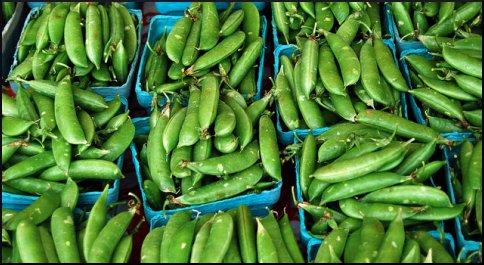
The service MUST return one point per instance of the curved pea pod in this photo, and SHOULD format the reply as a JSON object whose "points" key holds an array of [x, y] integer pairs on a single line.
{"points": [[243, 126], [116, 31], [57, 19], [269, 150], [45, 106], [340, 10], [190, 51], [94, 41], [226, 144], [222, 189], [471, 85], [285, 101], [308, 67], [246, 234], [209, 97], [218, 241], [181, 244], [289, 239], [352, 245], [42, 33], [328, 71], [123, 250], [257, 108], [346, 57], [415, 159], [189, 132], [8, 150], [29, 166], [225, 121], [348, 169], [392, 245], [153, 195], [130, 39], [439, 102], [229, 163], [410, 194], [447, 88], [411, 251], [343, 106], [105, 33], [335, 241], [102, 74], [462, 62], [84, 169], [251, 22], [387, 66], [119, 141], [150, 249], [281, 20], [174, 224], [370, 79], [62, 152], [272, 227], [245, 62], [95, 222], [47, 203], [402, 17], [444, 125], [210, 26], [172, 130], [103, 247], [178, 157], [120, 63], [427, 243], [25, 106], [348, 30], [372, 234], [34, 186], [474, 117], [474, 170], [266, 249], [232, 23], [64, 235], [218, 53], [12, 126], [9, 106], [308, 162], [65, 114], [115, 123], [361, 185], [27, 235], [309, 108], [381, 211], [48, 244], [74, 43], [175, 42], [103, 117], [438, 213], [324, 16]]}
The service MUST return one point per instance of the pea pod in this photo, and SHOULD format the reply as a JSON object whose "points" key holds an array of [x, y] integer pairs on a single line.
{"points": [[243, 126], [392, 245], [172, 130], [402, 16], [269, 148], [341, 10], [346, 57], [130, 39], [272, 227], [245, 62], [120, 63], [29, 166], [62, 152], [104, 24], [178, 157], [190, 51], [336, 240], [280, 18], [12, 126], [462, 62], [209, 97], [471, 85], [388, 67], [27, 235], [309, 108], [42, 34], [116, 31], [73, 39], [41, 64], [150, 250], [439, 102], [48, 243], [201, 239], [63, 233], [427, 243], [94, 41], [45, 106], [232, 23], [370, 79], [210, 27], [189, 132], [181, 244], [324, 16], [226, 144], [251, 22], [285, 101], [175, 42]]}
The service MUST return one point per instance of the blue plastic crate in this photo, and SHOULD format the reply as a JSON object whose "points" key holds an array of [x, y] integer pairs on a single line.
{"points": [[256, 202], [86, 199], [109, 91], [449, 154], [449, 245], [177, 8], [157, 26], [402, 45], [286, 136]]}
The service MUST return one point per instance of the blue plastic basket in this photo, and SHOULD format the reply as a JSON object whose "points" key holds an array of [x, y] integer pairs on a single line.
{"points": [[256, 202], [86, 199], [109, 91], [449, 245], [286, 136], [449, 155], [177, 8], [157, 26], [402, 45]]}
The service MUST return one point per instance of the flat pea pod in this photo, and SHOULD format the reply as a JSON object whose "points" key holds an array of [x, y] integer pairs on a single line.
{"points": [[190, 51], [272, 227], [340, 10], [392, 245], [462, 62], [172, 130], [285, 102], [103, 247], [62, 152], [232, 23], [201, 239], [402, 17], [45, 107], [102, 74], [336, 239], [348, 169], [64, 235], [94, 41], [73, 40], [388, 67], [48, 244], [474, 170], [308, 67], [269, 150], [130, 39], [381, 211], [243, 126], [226, 144], [372, 234], [222, 189], [251, 22], [316, 189], [175, 42], [370, 79], [70, 194], [235, 95], [420, 22], [324, 16], [27, 235], [103, 117], [346, 57], [257, 108], [47, 203], [153, 195], [104, 24], [415, 159], [209, 97], [178, 157], [225, 120], [65, 114], [447, 88], [308, 162], [223, 50], [361, 185], [471, 85], [12, 126], [246, 234], [373, 12], [348, 30], [281, 20], [123, 250], [95, 222], [427, 242], [181, 244], [266, 249], [176, 221], [210, 27], [41, 64], [438, 102], [390, 123], [309, 109], [150, 249], [29, 166], [245, 62], [189, 132], [116, 122], [84, 169]]}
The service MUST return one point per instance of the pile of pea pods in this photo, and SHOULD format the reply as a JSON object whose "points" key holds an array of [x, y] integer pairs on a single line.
{"points": [[450, 88], [210, 149], [203, 42], [334, 80], [51, 133], [48, 232], [420, 20], [296, 20], [233, 236], [93, 43], [371, 243]]}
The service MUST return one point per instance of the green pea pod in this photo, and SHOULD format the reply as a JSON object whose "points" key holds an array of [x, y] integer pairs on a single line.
{"points": [[172, 130], [62, 152], [438, 102], [225, 121], [281, 20], [175, 222], [340, 10], [474, 117], [471, 85], [103, 117], [370, 79], [42, 34], [94, 41], [95, 222], [25, 106], [402, 16], [256, 109], [336, 240], [210, 27], [266, 249], [308, 67], [474, 171], [28, 236], [348, 30], [64, 235], [243, 126], [84, 169], [74, 42], [328, 71], [121, 63], [104, 24], [175, 42], [388, 67], [123, 250], [308, 162], [415, 195], [9, 106], [29, 166], [232, 23], [153, 195], [209, 97], [269, 148], [150, 249], [9, 150], [201, 240], [189, 132], [285, 101], [392, 245], [190, 51], [462, 62], [57, 19], [130, 39], [119, 141], [48, 243], [226, 144], [324, 16], [272, 227], [45, 106], [23, 70], [245, 62], [308, 108], [346, 57], [116, 31], [447, 88], [427, 243], [178, 157], [251, 23]]}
